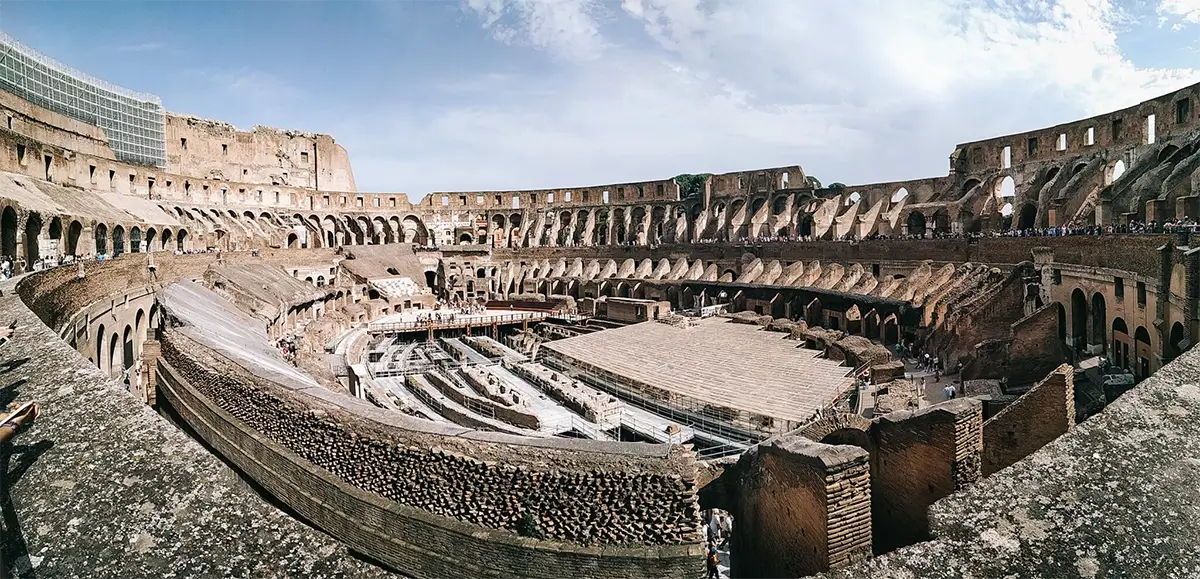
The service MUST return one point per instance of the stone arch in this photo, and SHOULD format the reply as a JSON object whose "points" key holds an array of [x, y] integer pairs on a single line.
{"points": [[33, 231], [101, 239], [118, 240], [8, 233], [1006, 188], [167, 238], [1118, 169], [1142, 352], [1122, 343], [900, 195], [135, 240], [293, 241], [1079, 315], [101, 362], [74, 230], [181, 239], [114, 355], [151, 238], [845, 427], [1098, 321], [1027, 216], [1165, 154], [970, 184], [916, 223], [1177, 342]]}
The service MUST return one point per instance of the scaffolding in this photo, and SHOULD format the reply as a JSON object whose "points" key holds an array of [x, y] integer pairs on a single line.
{"points": [[135, 123]]}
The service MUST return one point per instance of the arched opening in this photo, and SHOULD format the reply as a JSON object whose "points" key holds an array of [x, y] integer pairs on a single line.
{"points": [[1079, 312], [1099, 323], [1177, 343], [181, 239], [135, 240], [167, 239], [1141, 340], [73, 232], [127, 348], [114, 355], [8, 233], [118, 240], [1122, 343], [33, 230], [850, 436], [101, 239], [101, 362], [941, 222], [899, 195], [852, 199], [151, 237], [293, 241], [1006, 216], [969, 185], [1118, 170], [1028, 216], [806, 225], [1165, 154], [465, 239], [1062, 321], [431, 279], [916, 223], [1008, 188]]}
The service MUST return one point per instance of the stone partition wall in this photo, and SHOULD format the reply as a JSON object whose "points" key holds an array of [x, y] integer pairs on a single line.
{"points": [[917, 458], [801, 507], [442, 501], [1036, 418]]}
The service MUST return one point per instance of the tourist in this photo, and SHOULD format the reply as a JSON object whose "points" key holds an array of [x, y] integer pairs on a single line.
{"points": [[726, 530], [948, 391], [713, 561]]}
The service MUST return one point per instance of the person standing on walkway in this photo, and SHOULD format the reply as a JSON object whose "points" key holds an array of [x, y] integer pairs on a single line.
{"points": [[713, 562]]}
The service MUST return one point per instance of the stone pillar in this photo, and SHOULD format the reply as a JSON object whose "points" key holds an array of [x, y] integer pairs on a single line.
{"points": [[918, 458], [800, 508], [148, 385]]}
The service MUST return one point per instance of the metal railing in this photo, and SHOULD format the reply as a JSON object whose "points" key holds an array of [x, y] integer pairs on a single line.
{"points": [[447, 324]]}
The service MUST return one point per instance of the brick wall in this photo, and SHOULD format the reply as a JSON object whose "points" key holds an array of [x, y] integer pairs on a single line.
{"points": [[435, 505], [1036, 418], [801, 507], [918, 458]]}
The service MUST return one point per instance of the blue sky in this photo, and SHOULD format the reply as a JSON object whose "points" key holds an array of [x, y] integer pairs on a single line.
{"points": [[431, 95]]}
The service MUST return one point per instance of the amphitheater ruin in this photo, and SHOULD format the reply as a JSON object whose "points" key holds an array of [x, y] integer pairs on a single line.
{"points": [[247, 367]]}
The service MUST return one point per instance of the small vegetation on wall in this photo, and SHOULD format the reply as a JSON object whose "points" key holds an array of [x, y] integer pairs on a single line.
{"points": [[691, 185]]}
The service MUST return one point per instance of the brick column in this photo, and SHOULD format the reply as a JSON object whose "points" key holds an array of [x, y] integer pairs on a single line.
{"points": [[800, 507]]}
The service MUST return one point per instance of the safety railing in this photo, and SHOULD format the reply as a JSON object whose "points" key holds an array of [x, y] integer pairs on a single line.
{"points": [[463, 322]]}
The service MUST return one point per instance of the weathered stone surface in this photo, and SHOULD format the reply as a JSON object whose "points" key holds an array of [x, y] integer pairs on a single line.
{"points": [[103, 487]]}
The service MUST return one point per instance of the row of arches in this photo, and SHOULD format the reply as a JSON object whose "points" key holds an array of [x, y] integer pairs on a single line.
{"points": [[59, 236]]}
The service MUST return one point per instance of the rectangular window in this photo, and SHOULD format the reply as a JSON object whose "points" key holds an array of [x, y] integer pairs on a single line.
{"points": [[1031, 146], [245, 172], [21, 154], [392, 202], [277, 198], [567, 196], [1183, 109], [1090, 139], [462, 200], [1006, 158], [1057, 276], [550, 197], [303, 157], [445, 200], [187, 189], [325, 201], [1141, 297], [1150, 130], [375, 202], [516, 204], [1061, 145], [358, 201], [499, 201], [641, 192], [585, 196], [659, 189], [1119, 288], [342, 201], [604, 197], [620, 193], [224, 149], [875, 269], [1117, 125], [183, 144], [92, 174], [479, 199]]}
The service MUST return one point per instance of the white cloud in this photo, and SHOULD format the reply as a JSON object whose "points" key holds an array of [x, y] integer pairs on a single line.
{"points": [[566, 28], [855, 90], [1179, 10]]}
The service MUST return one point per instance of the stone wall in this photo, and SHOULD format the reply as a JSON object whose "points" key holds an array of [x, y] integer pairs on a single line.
{"points": [[918, 458], [801, 507], [636, 502], [1035, 419]]}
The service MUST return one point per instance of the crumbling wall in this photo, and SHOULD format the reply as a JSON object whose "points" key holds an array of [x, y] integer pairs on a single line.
{"points": [[919, 457], [801, 507], [442, 501], [1036, 418]]}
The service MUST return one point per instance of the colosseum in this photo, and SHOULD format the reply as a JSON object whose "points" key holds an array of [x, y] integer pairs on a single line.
{"points": [[244, 366]]}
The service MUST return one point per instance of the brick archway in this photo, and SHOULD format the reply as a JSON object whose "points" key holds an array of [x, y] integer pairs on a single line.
{"points": [[833, 423]]}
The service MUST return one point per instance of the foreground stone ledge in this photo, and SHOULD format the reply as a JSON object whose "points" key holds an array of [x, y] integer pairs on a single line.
{"points": [[103, 487]]}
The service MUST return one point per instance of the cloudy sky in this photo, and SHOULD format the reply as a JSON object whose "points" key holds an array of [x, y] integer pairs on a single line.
{"points": [[432, 95]]}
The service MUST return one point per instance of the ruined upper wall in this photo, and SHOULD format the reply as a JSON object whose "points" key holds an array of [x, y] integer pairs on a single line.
{"points": [[1158, 119], [208, 149]]}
